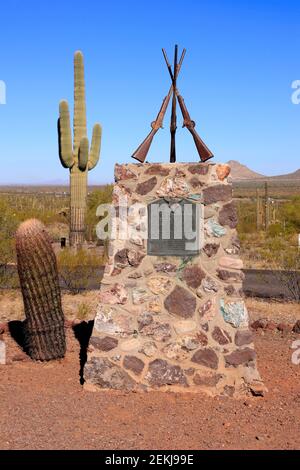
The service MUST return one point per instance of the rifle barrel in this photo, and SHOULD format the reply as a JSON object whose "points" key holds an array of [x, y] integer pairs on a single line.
{"points": [[168, 65], [173, 126]]}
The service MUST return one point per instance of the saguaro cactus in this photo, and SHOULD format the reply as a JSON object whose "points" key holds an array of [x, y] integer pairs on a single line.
{"points": [[79, 158], [44, 324]]}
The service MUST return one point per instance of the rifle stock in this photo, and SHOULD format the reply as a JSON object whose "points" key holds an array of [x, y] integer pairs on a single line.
{"points": [[141, 152], [203, 150]]}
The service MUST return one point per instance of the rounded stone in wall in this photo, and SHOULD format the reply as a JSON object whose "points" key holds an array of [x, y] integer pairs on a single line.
{"points": [[134, 364], [207, 358], [180, 302]]}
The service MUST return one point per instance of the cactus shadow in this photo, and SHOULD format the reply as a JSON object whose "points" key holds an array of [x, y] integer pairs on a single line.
{"points": [[83, 332], [17, 332]]}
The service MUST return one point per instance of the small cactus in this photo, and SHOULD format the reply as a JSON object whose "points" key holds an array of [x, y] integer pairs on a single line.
{"points": [[79, 158], [37, 268]]}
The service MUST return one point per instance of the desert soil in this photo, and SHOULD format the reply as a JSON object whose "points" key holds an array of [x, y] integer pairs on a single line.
{"points": [[43, 406]]}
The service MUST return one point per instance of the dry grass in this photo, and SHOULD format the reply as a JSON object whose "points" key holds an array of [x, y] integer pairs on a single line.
{"points": [[80, 306], [279, 312], [11, 305]]}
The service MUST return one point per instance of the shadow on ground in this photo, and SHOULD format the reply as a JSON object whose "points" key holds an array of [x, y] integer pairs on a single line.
{"points": [[17, 332], [82, 333]]}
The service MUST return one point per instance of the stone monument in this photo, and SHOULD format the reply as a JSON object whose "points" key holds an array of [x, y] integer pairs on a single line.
{"points": [[171, 314]]}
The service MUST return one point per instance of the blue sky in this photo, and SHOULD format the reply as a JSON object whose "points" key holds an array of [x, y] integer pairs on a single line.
{"points": [[242, 57]]}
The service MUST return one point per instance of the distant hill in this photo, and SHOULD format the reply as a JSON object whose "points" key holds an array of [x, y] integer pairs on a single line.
{"points": [[242, 172], [289, 176], [239, 172]]}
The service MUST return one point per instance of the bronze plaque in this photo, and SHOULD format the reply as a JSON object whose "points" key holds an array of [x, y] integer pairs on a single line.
{"points": [[173, 228]]}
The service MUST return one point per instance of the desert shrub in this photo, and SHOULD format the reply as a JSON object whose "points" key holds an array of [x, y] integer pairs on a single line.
{"points": [[95, 198], [291, 213], [275, 230], [58, 230], [8, 226], [42, 206], [260, 248], [51, 209], [83, 311], [76, 268], [246, 217], [15, 208]]}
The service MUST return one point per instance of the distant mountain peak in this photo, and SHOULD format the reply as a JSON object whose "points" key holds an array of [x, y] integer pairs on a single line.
{"points": [[242, 172], [289, 176]]}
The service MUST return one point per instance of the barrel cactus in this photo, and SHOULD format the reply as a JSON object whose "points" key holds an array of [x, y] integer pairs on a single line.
{"points": [[79, 157], [37, 268]]}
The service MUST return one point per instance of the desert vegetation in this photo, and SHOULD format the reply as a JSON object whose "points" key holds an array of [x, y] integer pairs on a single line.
{"points": [[51, 208], [275, 248]]}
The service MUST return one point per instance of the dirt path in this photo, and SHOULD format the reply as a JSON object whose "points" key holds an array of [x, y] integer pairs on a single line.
{"points": [[43, 406]]}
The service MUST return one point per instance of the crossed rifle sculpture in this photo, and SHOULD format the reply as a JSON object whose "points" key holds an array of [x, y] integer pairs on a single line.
{"points": [[203, 151]]}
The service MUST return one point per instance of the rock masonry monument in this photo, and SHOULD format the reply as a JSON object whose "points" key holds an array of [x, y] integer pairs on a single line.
{"points": [[171, 314]]}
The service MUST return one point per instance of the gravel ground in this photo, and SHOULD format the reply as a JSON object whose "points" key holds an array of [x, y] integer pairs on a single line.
{"points": [[43, 406]]}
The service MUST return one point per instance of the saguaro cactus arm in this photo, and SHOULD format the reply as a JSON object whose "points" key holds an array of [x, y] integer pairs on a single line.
{"points": [[79, 100], [64, 136], [83, 153], [95, 147]]}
